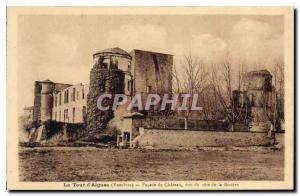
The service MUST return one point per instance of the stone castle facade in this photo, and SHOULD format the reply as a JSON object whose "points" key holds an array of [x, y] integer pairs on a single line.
{"points": [[114, 71]]}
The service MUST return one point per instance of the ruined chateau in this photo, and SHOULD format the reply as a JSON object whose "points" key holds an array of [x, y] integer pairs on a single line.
{"points": [[115, 71]]}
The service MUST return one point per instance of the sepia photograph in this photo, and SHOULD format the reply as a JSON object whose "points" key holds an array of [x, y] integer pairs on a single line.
{"points": [[150, 98]]}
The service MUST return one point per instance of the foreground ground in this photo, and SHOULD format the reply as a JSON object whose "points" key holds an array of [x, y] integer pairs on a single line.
{"points": [[93, 164]]}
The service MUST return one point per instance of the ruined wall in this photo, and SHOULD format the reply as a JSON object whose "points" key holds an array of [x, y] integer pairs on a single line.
{"points": [[257, 80], [28, 113], [191, 139], [102, 81], [52, 132], [256, 99], [46, 101], [173, 122], [43, 99], [60, 86], [152, 69], [37, 102]]}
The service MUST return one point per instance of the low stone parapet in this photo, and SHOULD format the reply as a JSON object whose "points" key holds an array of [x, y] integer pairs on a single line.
{"points": [[189, 139]]}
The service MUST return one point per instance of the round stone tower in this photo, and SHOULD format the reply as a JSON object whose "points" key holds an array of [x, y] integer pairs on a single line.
{"points": [[106, 77], [258, 88], [46, 100]]}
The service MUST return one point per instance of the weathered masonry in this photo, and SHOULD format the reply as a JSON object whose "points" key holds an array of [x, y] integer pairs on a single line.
{"points": [[43, 99], [255, 99], [114, 71], [69, 104], [110, 74]]}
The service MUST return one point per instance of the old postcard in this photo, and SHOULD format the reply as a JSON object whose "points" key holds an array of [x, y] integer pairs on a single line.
{"points": [[150, 98]]}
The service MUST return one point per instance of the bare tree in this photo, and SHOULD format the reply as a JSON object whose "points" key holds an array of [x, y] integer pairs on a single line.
{"points": [[279, 86], [210, 101], [241, 73], [190, 79], [222, 81], [278, 94], [273, 102]]}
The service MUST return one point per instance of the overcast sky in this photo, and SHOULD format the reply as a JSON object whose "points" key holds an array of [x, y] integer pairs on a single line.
{"points": [[60, 48]]}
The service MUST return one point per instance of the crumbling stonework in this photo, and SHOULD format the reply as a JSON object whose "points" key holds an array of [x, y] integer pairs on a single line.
{"points": [[256, 99], [152, 72], [102, 81], [37, 101], [43, 99]]}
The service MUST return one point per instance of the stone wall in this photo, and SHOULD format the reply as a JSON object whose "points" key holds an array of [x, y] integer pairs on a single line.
{"points": [[253, 103], [174, 122], [102, 81], [159, 138], [37, 102], [73, 110], [47, 104], [257, 80], [46, 101], [152, 69]]}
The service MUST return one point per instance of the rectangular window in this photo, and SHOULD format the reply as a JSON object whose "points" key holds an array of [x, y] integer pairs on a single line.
{"points": [[129, 67], [105, 63], [129, 85], [77, 95], [83, 113], [82, 92], [59, 115], [67, 100], [148, 89], [59, 98], [73, 117], [67, 115], [102, 86], [65, 96], [74, 92]]}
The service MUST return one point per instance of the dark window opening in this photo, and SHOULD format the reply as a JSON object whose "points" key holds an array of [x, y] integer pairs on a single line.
{"points": [[73, 97], [104, 62], [129, 67], [149, 88], [83, 113], [102, 86], [55, 100], [82, 93], [129, 85], [73, 117]]}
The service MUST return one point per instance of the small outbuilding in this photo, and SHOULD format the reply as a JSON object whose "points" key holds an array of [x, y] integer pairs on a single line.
{"points": [[129, 129]]}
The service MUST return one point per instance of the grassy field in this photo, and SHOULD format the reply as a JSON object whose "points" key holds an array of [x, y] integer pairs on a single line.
{"points": [[93, 164]]}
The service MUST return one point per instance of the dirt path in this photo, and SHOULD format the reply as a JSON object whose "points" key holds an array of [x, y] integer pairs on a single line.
{"points": [[93, 164]]}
